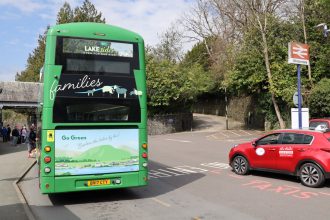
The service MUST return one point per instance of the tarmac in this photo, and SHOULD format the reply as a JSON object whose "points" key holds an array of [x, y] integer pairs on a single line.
{"points": [[14, 162]]}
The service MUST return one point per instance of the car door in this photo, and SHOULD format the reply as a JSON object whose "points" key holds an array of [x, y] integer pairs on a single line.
{"points": [[263, 154], [291, 149]]}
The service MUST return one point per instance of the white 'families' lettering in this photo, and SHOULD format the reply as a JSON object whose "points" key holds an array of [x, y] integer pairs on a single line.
{"points": [[84, 82]]}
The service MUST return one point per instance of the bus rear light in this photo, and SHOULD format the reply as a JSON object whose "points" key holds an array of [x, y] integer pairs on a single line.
{"points": [[144, 146], [145, 164], [47, 149], [47, 159], [117, 181], [47, 185], [144, 155], [47, 170]]}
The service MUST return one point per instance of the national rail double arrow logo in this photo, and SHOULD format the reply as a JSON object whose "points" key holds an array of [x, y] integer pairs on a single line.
{"points": [[298, 53]]}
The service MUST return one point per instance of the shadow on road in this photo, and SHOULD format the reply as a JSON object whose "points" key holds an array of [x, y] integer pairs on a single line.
{"points": [[283, 177], [13, 211], [155, 188], [8, 148]]}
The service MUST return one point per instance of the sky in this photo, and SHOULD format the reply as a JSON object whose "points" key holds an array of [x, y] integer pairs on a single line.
{"points": [[22, 21]]}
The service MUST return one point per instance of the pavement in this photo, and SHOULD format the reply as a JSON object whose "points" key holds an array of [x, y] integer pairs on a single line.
{"points": [[14, 162], [214, 123]]}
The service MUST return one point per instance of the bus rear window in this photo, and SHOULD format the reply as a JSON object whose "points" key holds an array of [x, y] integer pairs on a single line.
{"points": [[96, 57], [100, 66]]}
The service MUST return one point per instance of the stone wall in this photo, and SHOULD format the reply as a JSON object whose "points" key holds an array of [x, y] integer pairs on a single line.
{"points": [[170, 123]]}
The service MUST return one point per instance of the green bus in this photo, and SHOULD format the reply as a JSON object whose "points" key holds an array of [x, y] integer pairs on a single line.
{"points": [[93, 131]]}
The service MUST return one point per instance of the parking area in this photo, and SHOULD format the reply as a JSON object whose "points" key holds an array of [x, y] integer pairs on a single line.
{"points": [[189, 178]]}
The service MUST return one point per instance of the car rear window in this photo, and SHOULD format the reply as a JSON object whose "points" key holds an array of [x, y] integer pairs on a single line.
{"points": [[314, 124], [292, 138]]}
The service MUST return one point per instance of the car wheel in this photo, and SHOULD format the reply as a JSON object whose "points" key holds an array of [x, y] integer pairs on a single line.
{"points": [[240, 165], [311, 175]]}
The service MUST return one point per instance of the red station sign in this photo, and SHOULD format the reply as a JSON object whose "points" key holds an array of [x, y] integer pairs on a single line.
{"points": [[298, 53]]}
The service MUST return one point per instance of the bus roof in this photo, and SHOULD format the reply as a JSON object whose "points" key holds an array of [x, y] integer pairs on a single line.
{"points": [[94, 30]]}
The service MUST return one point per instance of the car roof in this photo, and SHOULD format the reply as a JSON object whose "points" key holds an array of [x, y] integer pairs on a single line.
{"points": [[320, 119], [302, 131]]}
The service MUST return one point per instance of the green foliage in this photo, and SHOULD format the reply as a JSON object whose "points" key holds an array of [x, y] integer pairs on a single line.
{"points": [[34, 63], [87, 13], [319, 99], [84, 13], [198, 54], [171, 87]]}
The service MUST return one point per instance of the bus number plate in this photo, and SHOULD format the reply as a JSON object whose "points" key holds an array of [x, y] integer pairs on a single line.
{"points": [[98, 182]]}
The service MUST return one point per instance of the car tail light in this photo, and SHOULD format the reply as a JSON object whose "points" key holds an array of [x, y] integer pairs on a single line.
{"points": [[326, 149]]}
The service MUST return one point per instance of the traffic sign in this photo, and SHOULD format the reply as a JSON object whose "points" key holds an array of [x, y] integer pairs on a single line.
{"points": [[295, 99], [298, 53]]}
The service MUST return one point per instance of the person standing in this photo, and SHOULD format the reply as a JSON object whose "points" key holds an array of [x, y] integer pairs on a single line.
{"points": [[4, 133], [31, 141], [8, 132], [23, 133], [15, 134]]}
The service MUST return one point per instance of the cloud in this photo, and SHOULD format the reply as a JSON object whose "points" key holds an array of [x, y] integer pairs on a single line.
{"points": [[26, 6], [149, 18]]}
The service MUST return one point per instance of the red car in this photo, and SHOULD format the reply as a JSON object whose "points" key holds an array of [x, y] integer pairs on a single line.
{"points": [[319, 123], [302, 153]]}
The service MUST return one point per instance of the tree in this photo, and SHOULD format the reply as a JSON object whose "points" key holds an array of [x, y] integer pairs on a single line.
{"points": [[170, 46], [87, 13], [35, 61], [172, 87], [319, 100], [65, 15]]}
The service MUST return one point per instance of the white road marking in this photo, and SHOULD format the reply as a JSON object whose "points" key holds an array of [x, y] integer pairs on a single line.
{"points": [[161, 202], [245, 132], [234, 133], [224, 134], [186, 170], [177, 140]]}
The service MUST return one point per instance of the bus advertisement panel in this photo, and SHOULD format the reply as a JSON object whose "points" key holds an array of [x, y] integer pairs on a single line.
{"points": [[96, 151]]}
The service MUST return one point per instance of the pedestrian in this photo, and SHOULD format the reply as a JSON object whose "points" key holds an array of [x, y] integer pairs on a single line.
{"points": [[23, 133], [8, 132], [15, 134], [4, 133], [31, 141]]}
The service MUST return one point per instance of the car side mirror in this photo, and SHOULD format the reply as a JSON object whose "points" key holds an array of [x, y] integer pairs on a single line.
{"points": [[254, 143]]}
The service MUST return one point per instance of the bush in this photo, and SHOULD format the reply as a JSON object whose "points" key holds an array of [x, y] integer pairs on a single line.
{"points": [[319, 100]]}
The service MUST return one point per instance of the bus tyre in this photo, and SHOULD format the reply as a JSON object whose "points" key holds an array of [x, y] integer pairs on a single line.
{"points": [[311, 175], [240, 165]]}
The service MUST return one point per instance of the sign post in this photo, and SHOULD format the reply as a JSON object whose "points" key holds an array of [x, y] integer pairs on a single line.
{"points": [[299, 54]]}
